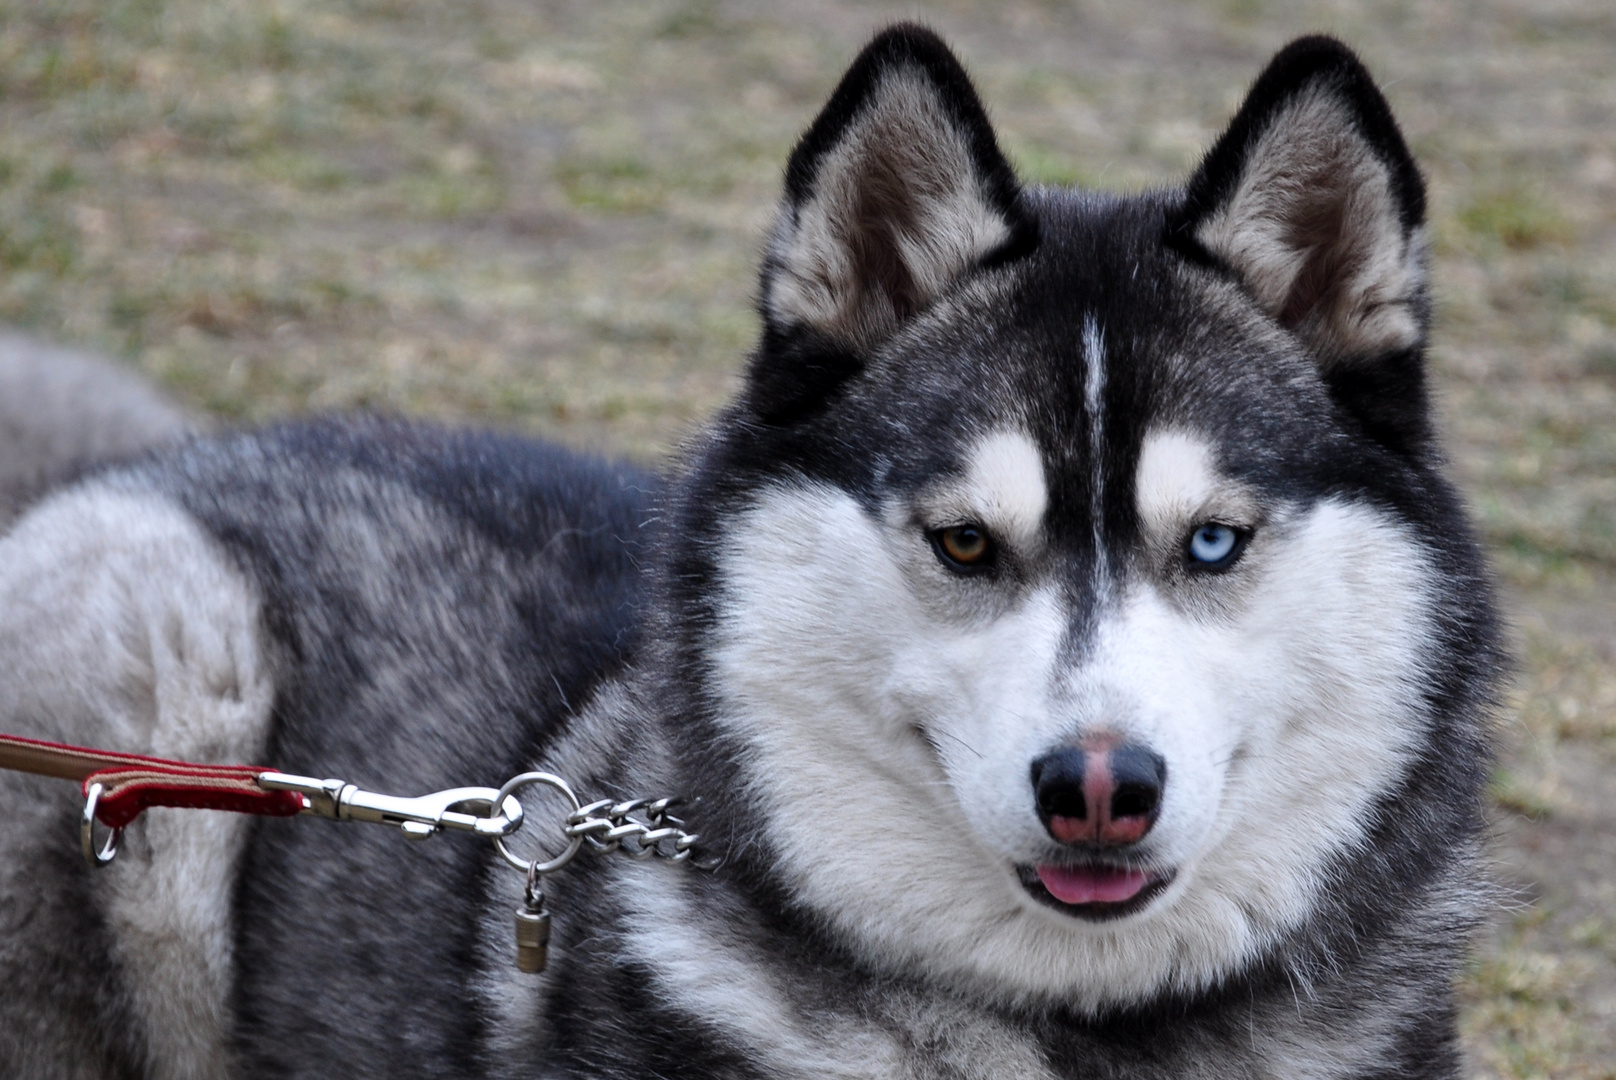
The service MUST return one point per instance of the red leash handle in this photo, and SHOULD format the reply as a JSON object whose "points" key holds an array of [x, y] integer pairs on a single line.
{"points": [[132, 782]]}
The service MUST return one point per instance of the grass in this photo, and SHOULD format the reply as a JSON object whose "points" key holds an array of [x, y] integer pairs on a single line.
{"points": [[1516, 218], [548, 217]]}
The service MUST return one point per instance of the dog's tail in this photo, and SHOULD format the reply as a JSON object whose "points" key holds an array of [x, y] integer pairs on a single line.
{"points": [[63, 412]]}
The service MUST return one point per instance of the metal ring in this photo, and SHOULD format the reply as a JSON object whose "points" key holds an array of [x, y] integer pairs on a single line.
{"points": [[515, 784], [109, 851]]}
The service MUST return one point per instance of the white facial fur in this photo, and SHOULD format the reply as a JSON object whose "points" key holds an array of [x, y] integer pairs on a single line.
{"points": [[891, 711], [1005, 487]]}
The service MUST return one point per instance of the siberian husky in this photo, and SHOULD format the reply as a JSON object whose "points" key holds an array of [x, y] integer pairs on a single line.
{"points": [[1069, 651]]}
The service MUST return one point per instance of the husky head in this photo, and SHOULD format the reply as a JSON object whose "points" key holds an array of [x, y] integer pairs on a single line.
{"points": [[1073, 602]]}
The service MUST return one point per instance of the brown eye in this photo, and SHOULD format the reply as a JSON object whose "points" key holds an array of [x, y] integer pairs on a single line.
{"points": [[963, 547]]}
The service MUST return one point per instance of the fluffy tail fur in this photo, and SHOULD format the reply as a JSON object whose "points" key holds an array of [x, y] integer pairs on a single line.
{"points": [[62, 412]]}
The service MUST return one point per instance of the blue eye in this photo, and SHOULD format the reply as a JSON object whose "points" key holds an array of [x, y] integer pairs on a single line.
{"points": [[1214, 546]]}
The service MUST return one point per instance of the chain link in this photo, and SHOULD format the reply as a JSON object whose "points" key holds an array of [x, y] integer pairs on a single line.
{"points": [[639, 828]]}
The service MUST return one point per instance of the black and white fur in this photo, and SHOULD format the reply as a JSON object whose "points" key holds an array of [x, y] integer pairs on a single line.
{"points": [[779, 635]]}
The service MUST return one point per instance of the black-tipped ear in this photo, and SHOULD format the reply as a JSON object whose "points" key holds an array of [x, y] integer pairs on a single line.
{"points": [[897, 190], [1312, 198]]}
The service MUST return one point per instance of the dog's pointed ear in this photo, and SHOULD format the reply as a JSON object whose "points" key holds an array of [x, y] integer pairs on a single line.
{"points": [[1312, 199], [897, 190]]}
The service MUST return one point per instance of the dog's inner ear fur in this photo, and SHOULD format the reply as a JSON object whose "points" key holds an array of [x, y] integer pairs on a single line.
{"points": [[883, 215], [1315, 203]]}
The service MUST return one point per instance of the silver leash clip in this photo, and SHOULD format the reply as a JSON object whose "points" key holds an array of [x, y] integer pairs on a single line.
{"points": [[468, 809]]}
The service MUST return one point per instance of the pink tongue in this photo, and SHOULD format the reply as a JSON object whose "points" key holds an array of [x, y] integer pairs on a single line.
{"points": [[1091, 884]]}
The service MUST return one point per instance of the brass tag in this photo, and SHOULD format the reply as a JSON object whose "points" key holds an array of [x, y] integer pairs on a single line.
{"points": [[532, 938]]}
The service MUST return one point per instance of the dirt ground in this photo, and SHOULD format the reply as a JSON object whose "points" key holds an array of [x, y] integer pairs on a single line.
{"points": [[546, 216]]}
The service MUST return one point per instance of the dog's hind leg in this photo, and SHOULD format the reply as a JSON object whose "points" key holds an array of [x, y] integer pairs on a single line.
{"points": [[122, 626]]}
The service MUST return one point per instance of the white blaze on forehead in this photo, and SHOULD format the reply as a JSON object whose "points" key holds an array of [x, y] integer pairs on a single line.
{"points": [[1094, 402], [1005, 483], [1176, 478]]}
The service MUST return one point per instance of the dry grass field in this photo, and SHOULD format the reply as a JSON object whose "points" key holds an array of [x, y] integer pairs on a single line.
{"points": [[545, 216]]}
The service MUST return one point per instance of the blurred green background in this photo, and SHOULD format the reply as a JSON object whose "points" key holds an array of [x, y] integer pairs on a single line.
{"points": [[546, 216]]}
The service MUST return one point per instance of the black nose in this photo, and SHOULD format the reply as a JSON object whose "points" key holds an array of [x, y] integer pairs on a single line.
{"points": [[1139, 775], [1099, 795], [1058, 780]]}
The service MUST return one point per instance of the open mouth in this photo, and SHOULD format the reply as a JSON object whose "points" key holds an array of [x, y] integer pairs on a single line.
{"points": [[1094, 891]]}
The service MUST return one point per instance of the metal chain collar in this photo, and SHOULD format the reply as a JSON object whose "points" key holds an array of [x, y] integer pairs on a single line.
{"points": [[606, 826], [638, 828]]}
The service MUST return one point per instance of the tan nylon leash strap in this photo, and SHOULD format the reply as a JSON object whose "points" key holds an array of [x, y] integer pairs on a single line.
{"points": [[63, 761]]}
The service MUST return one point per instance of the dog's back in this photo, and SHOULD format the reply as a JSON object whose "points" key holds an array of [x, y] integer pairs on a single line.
{"points": [[406, 607]]}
